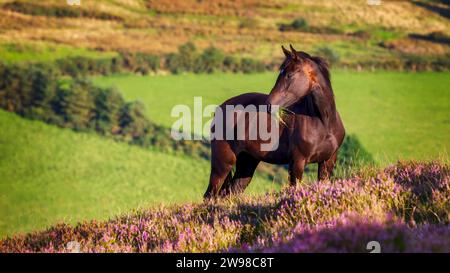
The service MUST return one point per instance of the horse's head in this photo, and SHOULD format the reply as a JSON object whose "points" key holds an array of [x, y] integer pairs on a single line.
{"points": [[298, 77]]}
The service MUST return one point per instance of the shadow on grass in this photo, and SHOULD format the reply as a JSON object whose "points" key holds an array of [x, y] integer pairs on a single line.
{"points": [[441, 10]]}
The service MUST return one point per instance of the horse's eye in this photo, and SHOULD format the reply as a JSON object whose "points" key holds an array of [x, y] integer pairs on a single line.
{"points": [[289, 75]]}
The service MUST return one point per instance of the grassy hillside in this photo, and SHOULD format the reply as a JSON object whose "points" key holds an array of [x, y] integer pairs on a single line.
{"points": [[404, 208], [395, 115], [353, 29], [48, 175]]}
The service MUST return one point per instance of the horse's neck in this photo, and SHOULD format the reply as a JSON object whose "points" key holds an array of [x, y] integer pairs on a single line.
{"points": [[324, 101]]}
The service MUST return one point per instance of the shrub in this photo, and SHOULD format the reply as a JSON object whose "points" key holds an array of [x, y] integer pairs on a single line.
{"points": [[187, 55], [250, 65], [135, 62], [43, 90], [329, 54], [101, 66], [231, 63], [24, 88], [133, 121], [172, 63], [76, 105], [327, 216], [117, 64], [299, 24], [108, 104], [352, 153], [210, 60], [144, 63], [35, 91], [187, 59]]}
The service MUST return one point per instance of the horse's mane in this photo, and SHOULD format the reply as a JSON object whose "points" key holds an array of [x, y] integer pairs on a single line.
{"points": [[324, 68], [321, 63]]}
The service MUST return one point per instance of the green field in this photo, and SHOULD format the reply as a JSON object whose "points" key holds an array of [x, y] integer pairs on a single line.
{"points": [[51, 175], [396, 115], [46, 52]]}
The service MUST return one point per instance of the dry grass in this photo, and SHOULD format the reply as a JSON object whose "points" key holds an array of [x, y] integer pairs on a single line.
{"points": [[161, 26], [418, 47]]}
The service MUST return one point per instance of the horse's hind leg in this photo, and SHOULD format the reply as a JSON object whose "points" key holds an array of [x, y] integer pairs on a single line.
{"points": [[296, 169], [326, 167], [245, 168], [222, 161]]}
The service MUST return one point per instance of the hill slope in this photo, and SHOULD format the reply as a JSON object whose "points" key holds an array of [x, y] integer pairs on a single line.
{"points": [[245, 27], [405, 208], [48, 174]]}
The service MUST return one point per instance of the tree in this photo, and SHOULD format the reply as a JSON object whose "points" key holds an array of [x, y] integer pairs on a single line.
{"points": [[173, 63], [187, 54], [16, 88], [329, 54], [76, 104], [43, 91], [108, 104], [211, 60], [133, 121]]}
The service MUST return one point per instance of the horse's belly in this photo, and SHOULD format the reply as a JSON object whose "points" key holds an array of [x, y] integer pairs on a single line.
{"points": [[324, 150], [278, 156]]}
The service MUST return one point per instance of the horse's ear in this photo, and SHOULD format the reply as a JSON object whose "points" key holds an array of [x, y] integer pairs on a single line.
{"points": [[286, 52], [294, 52], [292, 48]]}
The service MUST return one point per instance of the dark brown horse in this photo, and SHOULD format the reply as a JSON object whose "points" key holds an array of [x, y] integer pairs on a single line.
{"points": [[312, 133]]}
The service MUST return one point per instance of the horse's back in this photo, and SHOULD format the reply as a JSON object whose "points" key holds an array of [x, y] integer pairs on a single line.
{"points": [[247, 99], [223, 148]]}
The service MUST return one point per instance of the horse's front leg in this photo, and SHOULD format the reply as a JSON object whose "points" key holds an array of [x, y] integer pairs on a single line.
{"points": [[245, 168], [326, 167], [296, 168]]}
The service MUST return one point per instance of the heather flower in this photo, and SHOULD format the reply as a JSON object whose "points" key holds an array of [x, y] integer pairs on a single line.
{"points": [[405, 208]]}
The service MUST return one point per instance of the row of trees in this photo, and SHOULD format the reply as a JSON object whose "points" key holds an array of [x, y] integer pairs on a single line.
{"points": [[187, 59], [190, 59], [36, 92], [39, 92], [125, 62]]}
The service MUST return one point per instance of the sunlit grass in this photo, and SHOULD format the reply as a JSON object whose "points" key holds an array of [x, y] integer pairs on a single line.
{"points": [[395, 115], [45, 52], [48, 175]]}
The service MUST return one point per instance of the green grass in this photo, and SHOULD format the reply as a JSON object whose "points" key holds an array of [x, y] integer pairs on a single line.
{"points": [[396, 115], [45, 52], [50, 175]]}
